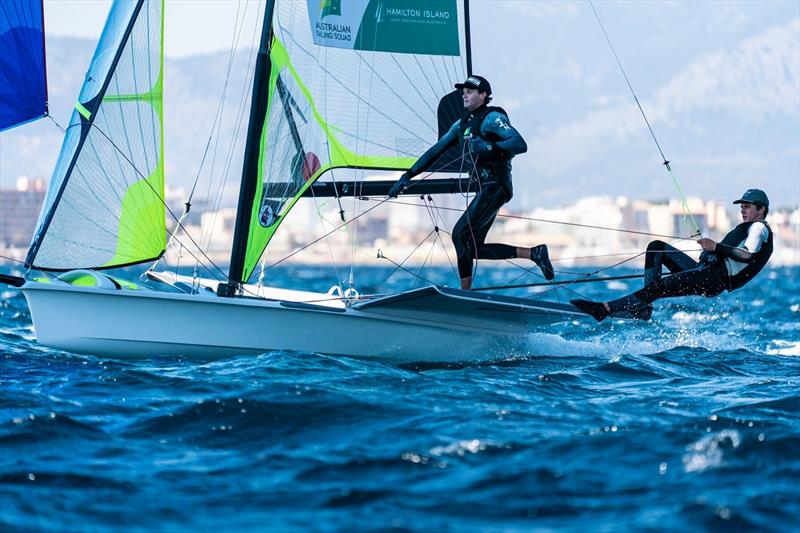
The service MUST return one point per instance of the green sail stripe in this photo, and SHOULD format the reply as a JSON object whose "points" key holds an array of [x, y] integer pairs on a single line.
{"points": [[143, 203], [340, 157], [146, 97], [85, 113]]}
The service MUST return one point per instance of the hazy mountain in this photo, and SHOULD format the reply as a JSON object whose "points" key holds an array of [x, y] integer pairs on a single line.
{"points": [[719, 83]]}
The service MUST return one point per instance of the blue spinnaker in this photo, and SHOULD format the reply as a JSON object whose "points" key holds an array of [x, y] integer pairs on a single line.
{"points": [[23, 81]]}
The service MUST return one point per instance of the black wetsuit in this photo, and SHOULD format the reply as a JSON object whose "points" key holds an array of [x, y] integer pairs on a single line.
{"points": [[491, 169], [728, 267]]}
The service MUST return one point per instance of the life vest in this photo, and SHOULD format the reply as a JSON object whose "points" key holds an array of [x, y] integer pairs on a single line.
{"points": [[494, 165], [735, 238]]}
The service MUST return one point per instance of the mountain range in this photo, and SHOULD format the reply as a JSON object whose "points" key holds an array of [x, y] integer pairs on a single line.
{"points": [[725, 111]]}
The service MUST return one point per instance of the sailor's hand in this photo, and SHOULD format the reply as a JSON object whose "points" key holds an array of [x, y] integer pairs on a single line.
{"points": [[708, 245], [400, 186], [476, 145]]}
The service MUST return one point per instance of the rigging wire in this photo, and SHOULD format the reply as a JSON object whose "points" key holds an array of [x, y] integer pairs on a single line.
{"points": [[555, 283], [574, 224], [239, 116], [161, 199], [216, 125], [399, 266], [687, 212], [59, 126]]}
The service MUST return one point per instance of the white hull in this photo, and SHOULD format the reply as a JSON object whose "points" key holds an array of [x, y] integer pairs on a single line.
{"points": [[423, 325]]}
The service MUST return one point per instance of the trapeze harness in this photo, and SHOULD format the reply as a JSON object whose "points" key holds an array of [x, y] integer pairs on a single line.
{"points": [[728, 267], [492, 171]]}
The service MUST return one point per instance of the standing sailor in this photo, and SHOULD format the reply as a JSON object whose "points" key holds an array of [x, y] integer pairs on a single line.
{"points": [[725, 265], [488, 142]]}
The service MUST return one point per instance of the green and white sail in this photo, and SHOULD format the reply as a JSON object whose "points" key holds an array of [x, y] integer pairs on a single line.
{"points": [[105, 207], [353, 84]]}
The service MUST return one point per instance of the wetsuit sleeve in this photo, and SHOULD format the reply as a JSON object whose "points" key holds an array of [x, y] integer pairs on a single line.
{"points": [[757, 234], [433, 153], [497, 125]]}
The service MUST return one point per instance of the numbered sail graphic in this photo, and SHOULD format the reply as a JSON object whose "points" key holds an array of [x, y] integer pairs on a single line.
{"points": [[105, 207]]}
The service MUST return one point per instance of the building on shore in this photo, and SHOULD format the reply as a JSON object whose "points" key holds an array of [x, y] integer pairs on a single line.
{"points": [[596, 230], [19, 212]]}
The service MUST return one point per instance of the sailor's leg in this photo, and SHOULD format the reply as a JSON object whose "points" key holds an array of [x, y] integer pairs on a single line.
{"points": [[660, 253], [469, 233], [494, 251], [707, 280]]}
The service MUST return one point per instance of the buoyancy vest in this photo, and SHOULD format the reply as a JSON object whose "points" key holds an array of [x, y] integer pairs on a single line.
{"points": [[494, 165], [735, 238]]}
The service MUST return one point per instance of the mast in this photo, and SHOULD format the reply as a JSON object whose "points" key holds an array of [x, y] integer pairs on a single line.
{"points": [[259, 102], [467, 38]]}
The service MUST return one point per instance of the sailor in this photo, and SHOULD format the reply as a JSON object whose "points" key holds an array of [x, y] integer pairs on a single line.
{"points": [[488, 142], [725, 265]]}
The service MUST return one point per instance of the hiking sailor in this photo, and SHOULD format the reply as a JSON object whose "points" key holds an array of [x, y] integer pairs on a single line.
{"points": [[725, 265], [488, 142]]}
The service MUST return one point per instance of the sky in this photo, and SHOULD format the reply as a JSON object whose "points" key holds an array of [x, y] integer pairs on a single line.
{"points": [[719, 81], [85, 18]]}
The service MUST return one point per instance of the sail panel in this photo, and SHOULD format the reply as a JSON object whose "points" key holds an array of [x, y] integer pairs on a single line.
{"points": [[340, 106], [105, 204], [23, 80]]}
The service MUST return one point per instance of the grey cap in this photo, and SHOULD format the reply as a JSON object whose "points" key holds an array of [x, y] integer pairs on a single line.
{"points": [[753, 196]]}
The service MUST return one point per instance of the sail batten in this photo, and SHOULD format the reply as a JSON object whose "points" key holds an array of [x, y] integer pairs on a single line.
{"points": [[366, 75], [105, 206]]}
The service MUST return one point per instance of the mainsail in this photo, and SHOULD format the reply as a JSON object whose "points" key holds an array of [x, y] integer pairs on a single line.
{"points": [[352, 84], [23, 80], [105, 207]]}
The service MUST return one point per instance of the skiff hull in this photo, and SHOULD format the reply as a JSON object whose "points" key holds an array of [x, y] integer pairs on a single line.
{"points": [[432, 324]]}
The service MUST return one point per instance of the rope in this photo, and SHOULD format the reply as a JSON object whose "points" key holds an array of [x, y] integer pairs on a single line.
{"points": [[166, 207], [399, 266], [687, 213], [557, 283], [574, 224]]}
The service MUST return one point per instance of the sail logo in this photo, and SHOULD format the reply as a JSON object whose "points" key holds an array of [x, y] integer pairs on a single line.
{"points": [[328, 31], [397, 26], [330, 7], [413, 15], [336, 32]]}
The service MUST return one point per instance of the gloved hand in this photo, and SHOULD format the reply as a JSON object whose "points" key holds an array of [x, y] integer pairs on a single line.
{"points": [[478, 146], [400, 186]]}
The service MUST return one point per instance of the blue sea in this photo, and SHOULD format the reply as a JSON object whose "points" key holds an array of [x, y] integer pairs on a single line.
{"points": [[688, 422]]}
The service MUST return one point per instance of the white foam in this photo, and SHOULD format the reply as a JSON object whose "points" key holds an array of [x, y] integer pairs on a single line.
{"points": [[708, 451], [781, 347]]}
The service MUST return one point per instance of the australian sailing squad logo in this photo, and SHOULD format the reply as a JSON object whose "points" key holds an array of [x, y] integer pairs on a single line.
{"points": [[399, 26], [328, 30]]}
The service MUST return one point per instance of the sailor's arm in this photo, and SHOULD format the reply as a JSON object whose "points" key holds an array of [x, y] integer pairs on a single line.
{"points": [[433, 153], [757, 234], [425, 160], [510, 141]]}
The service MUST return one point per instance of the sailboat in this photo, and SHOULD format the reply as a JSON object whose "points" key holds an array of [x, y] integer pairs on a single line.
{"points": [[327, 85]]}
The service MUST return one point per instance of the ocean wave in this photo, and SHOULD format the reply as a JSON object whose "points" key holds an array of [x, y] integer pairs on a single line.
{"points": [[708, 452], [31, 429]]}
